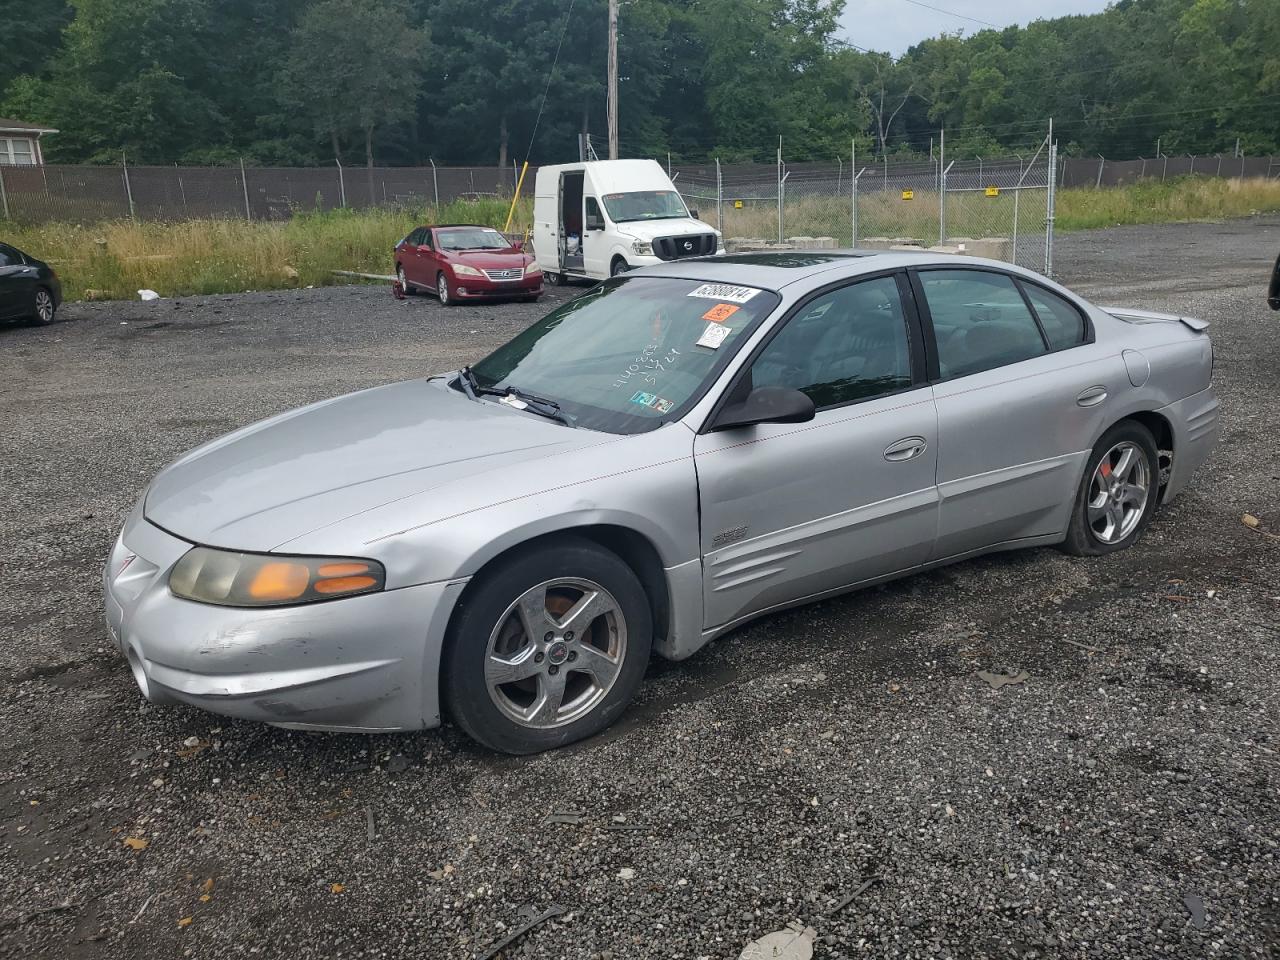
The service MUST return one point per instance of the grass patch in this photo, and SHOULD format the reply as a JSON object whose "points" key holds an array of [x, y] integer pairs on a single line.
{"points": [[115, 259]]}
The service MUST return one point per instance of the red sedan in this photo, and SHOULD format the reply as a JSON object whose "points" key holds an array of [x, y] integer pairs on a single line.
{"points": [[466, 262]]}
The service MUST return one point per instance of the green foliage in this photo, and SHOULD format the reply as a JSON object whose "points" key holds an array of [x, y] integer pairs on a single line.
{"points": [[296, 81]]}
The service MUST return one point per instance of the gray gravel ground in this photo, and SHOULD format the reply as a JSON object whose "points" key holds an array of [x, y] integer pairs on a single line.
{"points": [[1087, 812]]}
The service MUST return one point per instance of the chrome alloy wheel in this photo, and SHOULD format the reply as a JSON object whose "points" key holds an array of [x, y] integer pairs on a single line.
{"points": [[442, 288], [404, 280], [44, 306], [1118, 492], [555, 653]]}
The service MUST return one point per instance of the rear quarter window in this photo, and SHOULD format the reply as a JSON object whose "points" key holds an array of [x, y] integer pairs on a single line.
{"points": [[1064, 325]]}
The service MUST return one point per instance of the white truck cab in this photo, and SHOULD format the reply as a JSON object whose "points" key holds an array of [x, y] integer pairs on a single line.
{"points": [[602, 217]]}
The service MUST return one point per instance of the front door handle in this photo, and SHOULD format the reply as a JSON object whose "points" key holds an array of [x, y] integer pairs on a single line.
{"points": [[907, 449], [1092, 396]]}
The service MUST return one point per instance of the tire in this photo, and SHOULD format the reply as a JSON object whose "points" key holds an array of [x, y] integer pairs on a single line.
{"points": [[1108, 514], [409, 291], [533, 299], [618, 266], [549, 702], [442, 290], [42, 307]]}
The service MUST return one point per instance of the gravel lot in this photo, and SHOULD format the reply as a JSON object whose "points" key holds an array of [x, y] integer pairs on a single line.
{"points": [[1124, 801]]}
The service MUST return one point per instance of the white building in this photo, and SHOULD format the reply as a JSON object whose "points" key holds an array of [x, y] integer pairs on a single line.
{"points": [[20, 143]]}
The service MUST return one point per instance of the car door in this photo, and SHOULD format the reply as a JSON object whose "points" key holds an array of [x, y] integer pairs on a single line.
{"points": [[17, 284], [595, 239], [794, 510], [1021, 389]]}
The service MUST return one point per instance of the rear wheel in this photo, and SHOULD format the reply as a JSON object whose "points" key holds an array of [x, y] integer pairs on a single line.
{"points": [[42, 307], [548, 648], [442, 290], [409, 291], [1118, 493]]}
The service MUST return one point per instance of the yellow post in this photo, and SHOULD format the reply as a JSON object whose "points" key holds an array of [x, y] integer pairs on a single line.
{"points": [[519, 183]]}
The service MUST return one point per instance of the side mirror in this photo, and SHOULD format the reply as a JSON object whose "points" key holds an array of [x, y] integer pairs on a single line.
{"points": [[1273, 292], [595, 223], [766, 405], [693, 212], [517, 245], [423, 248]]}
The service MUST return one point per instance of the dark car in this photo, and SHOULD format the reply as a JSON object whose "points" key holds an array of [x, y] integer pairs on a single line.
{"points": [[1273, 291], [29, 289], [466, 262]]}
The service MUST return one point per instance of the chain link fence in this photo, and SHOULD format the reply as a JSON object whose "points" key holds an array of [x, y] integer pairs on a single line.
{"points": [[81, 194]]}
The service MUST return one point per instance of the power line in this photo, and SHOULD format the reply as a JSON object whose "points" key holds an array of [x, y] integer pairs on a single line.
{"points": [[952, 13], [550, 73]]}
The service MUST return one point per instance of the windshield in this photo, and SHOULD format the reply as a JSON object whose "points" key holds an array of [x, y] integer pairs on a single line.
{"points": [[472, 238], [645, 205], [632, 354]]}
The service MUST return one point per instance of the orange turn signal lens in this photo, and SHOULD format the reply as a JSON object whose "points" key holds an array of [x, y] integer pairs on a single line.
{"points": [[341, 569], [344, 584], [280, 581]]}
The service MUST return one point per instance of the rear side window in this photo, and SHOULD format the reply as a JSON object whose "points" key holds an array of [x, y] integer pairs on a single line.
{"points": [[1063, 324], [9, 256], [980, 321]]}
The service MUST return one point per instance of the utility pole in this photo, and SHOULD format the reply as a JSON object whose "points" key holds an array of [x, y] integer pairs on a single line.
{"points": [[613, 79]]}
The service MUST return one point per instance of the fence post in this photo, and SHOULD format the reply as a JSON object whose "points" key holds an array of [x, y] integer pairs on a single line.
{"points": [[4, 197], [1102, 162], [1219, 173], [719, 198], [1192, 173], [435, 184], [1017, 195], [942, 204], [1051, 197], [244, 185], [1164, 171], [1143, 174], [779, 189], [853, 191], [128, 190], [342, 184]]}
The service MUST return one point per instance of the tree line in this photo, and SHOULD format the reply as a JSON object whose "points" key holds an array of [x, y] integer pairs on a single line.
{"points": [[303, 82]]}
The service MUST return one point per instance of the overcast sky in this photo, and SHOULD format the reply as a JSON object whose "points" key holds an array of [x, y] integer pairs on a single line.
{"points": [[894, 25]]}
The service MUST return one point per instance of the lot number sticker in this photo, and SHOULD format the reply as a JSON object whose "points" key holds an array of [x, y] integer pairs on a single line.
{"points": [[713, 336], [720, 312], [724, 291]]}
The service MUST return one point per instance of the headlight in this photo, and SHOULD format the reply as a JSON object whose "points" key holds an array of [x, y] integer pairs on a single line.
{"points": [[462, 270], [642, 247], [231, 579], [531, 268]]}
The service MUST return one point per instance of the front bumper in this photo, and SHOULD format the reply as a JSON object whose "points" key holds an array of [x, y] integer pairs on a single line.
{"points": [[479, 288], [366, 663]]}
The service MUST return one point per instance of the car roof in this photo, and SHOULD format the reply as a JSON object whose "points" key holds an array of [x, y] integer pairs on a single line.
{"points": [[773, 270], [461, 226]]}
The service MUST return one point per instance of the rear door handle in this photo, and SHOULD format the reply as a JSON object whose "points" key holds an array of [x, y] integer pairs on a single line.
{"points": [[907, 449], [1091, 396]]}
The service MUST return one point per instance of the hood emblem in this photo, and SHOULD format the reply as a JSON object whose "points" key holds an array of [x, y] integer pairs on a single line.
{"points": [[688, 245]]}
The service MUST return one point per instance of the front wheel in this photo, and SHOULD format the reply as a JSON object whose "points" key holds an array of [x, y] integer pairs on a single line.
{"points": [[43, 307], [1117, 494], [548, 648], [618, 266], [442, 290]]}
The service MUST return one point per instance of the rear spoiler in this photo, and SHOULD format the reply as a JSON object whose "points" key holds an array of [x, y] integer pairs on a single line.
{"points": [[1129, 315]]}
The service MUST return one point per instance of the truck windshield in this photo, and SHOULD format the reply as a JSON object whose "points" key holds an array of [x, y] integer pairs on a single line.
{"points": [[645, 205], [632, 354]]}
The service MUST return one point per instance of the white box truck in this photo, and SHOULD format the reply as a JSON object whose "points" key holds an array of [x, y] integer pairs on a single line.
{"points": [[602, 217]]}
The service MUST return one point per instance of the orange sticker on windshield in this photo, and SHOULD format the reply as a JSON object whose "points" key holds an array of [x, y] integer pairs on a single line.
{"points": [[720, 312]]}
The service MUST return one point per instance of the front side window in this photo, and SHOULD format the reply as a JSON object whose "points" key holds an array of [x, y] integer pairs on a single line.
{"points": [[631, 354], [980, 321], [849, 344], [1063, 324], [645, 205], [471, 238]]}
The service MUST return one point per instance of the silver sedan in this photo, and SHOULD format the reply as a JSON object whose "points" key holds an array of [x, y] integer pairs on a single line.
{"points": [[675, 452]]}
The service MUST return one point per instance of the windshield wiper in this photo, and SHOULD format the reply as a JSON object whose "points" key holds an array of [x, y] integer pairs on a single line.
{"points": [[535, 404], [540, 405]]}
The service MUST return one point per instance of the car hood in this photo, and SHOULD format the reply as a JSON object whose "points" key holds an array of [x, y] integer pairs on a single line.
{"points": [[489, 259], [650, 229], [274, 481]]}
